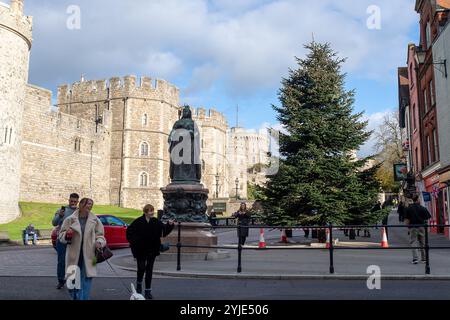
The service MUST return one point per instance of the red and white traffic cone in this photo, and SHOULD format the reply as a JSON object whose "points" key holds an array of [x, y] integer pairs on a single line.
{"points": [[384, 241], [283, 236], [262, 242], [327, 243]]}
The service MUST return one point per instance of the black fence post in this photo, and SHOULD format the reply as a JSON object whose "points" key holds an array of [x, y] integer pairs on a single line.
{"points": [[179, 248], [427, 251], [239, 268], [331, 249]]}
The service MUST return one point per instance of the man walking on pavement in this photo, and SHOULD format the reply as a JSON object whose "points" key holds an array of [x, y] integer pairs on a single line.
{"points": [[417, 214], [60, 216]]}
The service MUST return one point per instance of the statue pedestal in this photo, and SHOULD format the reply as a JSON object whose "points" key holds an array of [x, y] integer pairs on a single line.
{"points": [[185, 202], [192, 234]]}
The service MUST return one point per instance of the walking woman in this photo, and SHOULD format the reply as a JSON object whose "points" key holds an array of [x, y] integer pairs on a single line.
{"points": [[84, 234], [144, 235], [243, 219]]}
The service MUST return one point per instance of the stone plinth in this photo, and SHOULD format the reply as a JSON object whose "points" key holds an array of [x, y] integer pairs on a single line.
{"points": [[194, 234], [185, 202]]}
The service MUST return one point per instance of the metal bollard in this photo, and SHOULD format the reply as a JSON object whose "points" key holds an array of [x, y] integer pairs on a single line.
{"points": [[239, 268], [331, 250], [427, 251], [179, 248]]}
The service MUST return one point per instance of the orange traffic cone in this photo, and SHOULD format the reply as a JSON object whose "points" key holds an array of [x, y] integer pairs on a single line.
{"points": [[384, 241], [327, 243], [262, 242], [283, 236]]}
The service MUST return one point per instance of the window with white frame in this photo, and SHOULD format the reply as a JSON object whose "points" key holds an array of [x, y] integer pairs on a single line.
{"points": [[144, 149], [143, 179], [428, 35], [425, 101], [435, 145]]}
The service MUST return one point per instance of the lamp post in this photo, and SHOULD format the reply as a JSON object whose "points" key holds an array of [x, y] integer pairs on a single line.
{"points": [[421, 56], [90, 170], [217, 185], [237, 186]]}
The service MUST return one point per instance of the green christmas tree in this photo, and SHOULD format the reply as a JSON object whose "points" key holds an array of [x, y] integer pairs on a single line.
{"points": [[319, 181]]}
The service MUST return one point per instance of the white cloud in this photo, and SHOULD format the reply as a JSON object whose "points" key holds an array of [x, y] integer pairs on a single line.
{"points": [[163, 64], [247, 45], [375, 120]]}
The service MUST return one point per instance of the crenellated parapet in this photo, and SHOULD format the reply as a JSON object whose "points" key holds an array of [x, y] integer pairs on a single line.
{"points": [[210, 118], [118, 88], [12, 19]]}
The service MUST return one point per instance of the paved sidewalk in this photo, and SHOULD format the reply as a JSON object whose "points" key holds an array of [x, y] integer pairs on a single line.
{"points": [[271, 264]]}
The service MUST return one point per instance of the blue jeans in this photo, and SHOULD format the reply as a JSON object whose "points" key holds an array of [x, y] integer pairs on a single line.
{"points": [[27, 238], [85, 286], [61, 268]]}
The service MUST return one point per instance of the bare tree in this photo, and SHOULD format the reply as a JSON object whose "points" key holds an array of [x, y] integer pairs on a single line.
{"points": [[389, 148]]}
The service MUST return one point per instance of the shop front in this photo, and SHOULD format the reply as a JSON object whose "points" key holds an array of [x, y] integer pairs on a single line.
{"points": [[436, 201]]}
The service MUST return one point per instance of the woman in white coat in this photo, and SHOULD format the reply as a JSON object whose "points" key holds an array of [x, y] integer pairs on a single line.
{"points": [[84, 234]]}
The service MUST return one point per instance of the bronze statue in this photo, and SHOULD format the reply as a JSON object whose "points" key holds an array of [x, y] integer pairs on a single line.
{"points": [[184, 149]]}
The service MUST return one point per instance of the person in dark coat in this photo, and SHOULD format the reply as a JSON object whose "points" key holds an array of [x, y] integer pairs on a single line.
{"points": [[243, 219], [417, 215], [144, 235], [401, 211]]}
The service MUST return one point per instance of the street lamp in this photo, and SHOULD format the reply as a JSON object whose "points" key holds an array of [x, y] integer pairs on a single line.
{"points": [[237, 186], [421, 56], [217, 185]]}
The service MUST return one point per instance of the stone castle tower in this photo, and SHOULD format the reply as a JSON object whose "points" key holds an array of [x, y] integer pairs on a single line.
{"points": [[15, 45], [142, 116], [213, 132]]}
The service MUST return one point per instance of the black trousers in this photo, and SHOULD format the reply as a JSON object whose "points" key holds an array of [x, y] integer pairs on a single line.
{"points": [[242, 240], [145, 266]]}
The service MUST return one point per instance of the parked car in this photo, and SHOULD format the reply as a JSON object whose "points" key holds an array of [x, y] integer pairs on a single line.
{"points": [[115, 232]]}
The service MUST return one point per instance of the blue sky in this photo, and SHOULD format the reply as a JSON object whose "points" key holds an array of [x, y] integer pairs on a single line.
{"points": [[223, 53]]}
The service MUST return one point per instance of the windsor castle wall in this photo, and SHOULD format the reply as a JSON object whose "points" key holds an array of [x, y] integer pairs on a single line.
{"points": [[62, 154]]}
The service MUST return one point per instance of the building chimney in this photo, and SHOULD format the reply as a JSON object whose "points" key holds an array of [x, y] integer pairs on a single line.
{"points": [[17, 6]]}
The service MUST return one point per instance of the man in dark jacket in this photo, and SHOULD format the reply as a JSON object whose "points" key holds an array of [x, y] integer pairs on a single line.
{"points": [[417, 214], [401, 211], [144, 235]]}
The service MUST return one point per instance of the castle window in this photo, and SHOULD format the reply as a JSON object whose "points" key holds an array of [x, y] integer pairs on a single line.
{"points": [[144, 149], [77, 145], [143, 179], [6, 134], [203, 165], [144, 119], [10, 135]]}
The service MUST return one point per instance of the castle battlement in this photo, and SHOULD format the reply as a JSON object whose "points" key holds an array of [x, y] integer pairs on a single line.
{"points": [[12, 18], [117, 88], [210, 117]]}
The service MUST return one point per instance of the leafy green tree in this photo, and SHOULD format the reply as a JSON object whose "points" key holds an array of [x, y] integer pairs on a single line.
{"points": [[319, 181]]}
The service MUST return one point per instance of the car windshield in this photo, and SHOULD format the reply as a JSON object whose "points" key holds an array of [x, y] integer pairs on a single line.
{"points": [[112, 221]]}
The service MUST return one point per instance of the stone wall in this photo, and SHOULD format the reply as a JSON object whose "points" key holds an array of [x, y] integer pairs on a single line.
{"points": [[15, 43], [213, 133], [52, 165]]}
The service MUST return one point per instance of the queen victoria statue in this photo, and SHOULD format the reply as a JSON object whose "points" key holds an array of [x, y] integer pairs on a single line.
{"points": [[185, 197]]}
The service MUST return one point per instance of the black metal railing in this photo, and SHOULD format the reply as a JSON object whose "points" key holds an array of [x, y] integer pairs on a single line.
{"points": [[331, 248]]}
